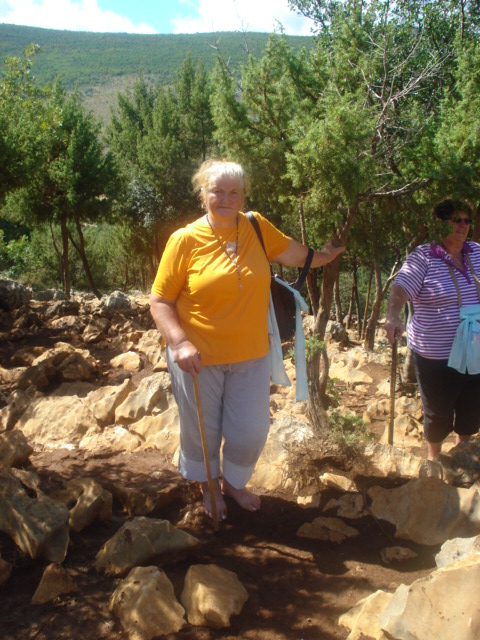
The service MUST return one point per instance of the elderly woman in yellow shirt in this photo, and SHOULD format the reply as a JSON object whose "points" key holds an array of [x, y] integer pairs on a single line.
{"points": [[210, 302]]}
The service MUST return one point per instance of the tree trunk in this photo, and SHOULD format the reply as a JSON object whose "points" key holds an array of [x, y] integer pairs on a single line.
{"points": [[357, 301], [80, 249], [65, 261], [352, 296], [371, 327], [367, 302], [380, 293], [318, 402], [338, 302]]}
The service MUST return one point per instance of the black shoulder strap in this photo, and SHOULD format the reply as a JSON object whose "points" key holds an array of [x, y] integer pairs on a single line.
{"points": [[258, 231], [303, 273]]}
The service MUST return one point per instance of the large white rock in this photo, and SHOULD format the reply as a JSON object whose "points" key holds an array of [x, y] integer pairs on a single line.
{"points": [[328, 529], [272, 470], [453, 550], [151, 391], [443, 605], [362, 619], [427, 510], [56, 581], [115, 439], [53, 421], [211, 595], [389, 461], [130, 361], [14, 449], [35, 522], [139, 541], [161, 431], [105, 400], [151, 345], [86, 500], [146, 606]]}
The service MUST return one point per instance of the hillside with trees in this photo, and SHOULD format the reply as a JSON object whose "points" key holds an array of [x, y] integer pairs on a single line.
{"points": [[355, 137], [101, 64]]}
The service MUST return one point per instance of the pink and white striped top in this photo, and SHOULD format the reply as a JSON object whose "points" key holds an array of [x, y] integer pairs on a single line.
{"points": [[426, 278]]}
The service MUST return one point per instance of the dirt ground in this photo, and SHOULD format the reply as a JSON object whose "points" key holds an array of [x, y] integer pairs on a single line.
{"points": [[297, 587]]}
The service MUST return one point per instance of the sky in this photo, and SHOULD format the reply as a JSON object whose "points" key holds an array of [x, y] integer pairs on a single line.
{"points": [[155, 16]]}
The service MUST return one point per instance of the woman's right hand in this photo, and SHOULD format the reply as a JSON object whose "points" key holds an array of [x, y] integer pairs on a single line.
{"points": [[393, 328], [188, 358]]}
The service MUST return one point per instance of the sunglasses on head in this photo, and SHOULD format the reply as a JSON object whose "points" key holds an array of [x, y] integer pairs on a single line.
{"points": [[459, 219]]}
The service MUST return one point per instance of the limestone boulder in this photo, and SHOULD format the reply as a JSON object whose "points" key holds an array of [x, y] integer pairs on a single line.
{"points": [[61, 308], [140, 541], [14, 449], [428, 511], [104, 401], [116, 439], [363, 618], [26, 356], [55, 582], [397, 554], [146, 606], [113, 302], [47, 295], [36, 523], [212, 595], [130, 361], [5, 570], [56, 421], [96, 330], [152, 393], [387, 461], [63, 362], [151, 345], [455, 549], [13, 295], [441, 605], [338, 482], [327, 529], [349, 505], [161, 432], [86, 501], [273, 467]]}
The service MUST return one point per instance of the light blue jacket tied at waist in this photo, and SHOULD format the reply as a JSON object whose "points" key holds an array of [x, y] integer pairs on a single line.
{"points": [[277, 367], [465, 353]]}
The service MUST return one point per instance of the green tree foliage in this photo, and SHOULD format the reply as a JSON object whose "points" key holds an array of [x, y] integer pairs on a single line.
{"points": [[75, 182], [351, 127], [159, 136], [22, 122]]}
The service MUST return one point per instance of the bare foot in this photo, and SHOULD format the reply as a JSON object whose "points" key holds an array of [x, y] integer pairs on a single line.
{"points": [[219, 501], [245, 498]]}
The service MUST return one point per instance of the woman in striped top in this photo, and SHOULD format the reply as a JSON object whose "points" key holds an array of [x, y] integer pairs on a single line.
{"points": [[451, 400]]}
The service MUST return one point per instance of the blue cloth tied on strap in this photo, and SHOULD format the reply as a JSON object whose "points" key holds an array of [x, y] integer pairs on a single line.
{"points": [[277, 367], [465, 352]]}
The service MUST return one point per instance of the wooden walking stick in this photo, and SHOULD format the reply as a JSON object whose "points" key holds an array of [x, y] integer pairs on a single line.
{"points": [[393, 379], [206, 458]]}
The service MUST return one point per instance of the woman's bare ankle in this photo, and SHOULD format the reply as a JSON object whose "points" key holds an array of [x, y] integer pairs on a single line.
{"points": [[244, 497], [220, 505]]}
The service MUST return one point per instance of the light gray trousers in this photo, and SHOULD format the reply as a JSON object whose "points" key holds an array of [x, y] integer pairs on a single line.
{"points": [[236, 407]]}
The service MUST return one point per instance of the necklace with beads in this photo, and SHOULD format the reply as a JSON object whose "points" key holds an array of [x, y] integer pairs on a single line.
{"points": [[225, 249]]}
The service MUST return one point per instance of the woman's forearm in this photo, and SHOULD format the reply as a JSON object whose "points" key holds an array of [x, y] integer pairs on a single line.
{"points": [[185, 353], [296, 254]]}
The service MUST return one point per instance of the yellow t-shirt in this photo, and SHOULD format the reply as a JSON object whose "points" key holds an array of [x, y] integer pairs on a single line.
{"points": [[225, 322]]}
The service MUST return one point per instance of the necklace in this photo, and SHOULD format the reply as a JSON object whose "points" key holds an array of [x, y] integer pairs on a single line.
{"points": [[225, 250]]}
